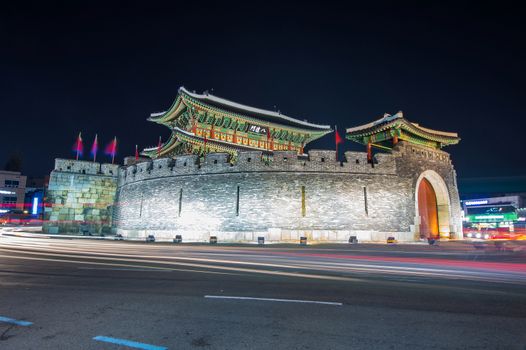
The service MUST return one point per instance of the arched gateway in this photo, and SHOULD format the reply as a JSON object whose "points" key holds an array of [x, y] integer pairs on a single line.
{"points": [[432, 204], [420, 159]]}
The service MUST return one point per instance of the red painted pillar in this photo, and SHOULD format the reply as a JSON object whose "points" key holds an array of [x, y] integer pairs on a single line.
{"points": [[369, 152]]}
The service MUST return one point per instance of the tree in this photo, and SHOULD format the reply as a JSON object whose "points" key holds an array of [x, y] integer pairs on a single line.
{"points": [[14, 162]]}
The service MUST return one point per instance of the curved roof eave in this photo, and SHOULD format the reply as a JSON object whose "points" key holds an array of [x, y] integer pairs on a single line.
{"points": [[387, 120], [214, 100]]}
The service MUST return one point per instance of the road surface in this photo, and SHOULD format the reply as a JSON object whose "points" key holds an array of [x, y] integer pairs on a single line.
{"points": [[87, 294]]}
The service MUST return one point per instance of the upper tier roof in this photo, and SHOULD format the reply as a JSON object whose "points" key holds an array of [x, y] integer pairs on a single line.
{"points": [[398, 121], [243, 110]]}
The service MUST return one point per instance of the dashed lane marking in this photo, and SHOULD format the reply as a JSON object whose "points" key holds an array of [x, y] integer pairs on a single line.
{"points": [[128, 343], [15, 322]]}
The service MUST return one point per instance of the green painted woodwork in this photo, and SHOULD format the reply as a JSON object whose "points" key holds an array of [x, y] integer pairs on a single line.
{"points": [[382, 134], [186, 111]]}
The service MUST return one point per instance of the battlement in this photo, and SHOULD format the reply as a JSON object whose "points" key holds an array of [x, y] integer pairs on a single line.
{"points": [[85, 167], [408, 150], [255, 161]]}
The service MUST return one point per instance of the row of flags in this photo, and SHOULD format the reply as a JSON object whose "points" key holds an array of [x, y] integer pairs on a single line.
{"points": [[111, 148]]}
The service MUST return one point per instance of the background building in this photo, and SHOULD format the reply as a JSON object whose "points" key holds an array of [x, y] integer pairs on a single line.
{"points": [[12, 190], [495, 205], [34, 196]]}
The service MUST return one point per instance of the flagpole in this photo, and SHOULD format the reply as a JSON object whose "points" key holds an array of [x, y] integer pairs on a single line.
{"points": [[78, 146], [95, 146], [114, 150], [336, 130]]}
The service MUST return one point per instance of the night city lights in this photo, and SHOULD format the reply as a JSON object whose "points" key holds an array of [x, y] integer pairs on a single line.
{"points": [[245, 175]]}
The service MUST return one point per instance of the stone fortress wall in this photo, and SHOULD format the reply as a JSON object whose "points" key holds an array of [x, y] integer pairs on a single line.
{"points": [[80, 197], [282, 200]]}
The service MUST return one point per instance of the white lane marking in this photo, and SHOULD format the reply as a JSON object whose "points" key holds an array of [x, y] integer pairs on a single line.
{"points": [[272, 299]]}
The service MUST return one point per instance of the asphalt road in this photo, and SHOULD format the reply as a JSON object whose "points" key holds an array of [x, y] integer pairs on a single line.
{"points": [[316, 297]]}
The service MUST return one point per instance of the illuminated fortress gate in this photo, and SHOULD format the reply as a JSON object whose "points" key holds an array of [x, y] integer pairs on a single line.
{"points": [[239, 173]]}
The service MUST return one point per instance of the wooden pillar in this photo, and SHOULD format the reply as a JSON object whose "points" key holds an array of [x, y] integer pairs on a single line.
{"points": [[194, 124], [395, 139], [369, 152]]}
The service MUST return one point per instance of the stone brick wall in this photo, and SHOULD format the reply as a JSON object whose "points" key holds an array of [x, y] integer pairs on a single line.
{"points": [[80, 197], [412, 161], [166, 197], [282, 200]]}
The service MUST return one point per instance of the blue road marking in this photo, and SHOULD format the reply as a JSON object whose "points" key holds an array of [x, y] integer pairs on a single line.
{"points": [[13, 321], [130, 343]]}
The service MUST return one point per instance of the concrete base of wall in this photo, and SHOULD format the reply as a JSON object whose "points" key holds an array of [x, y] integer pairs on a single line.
{"points": [[273, 235]]}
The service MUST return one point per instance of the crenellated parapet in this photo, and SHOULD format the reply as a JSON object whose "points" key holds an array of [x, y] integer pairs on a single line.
{"points": [[321, 161], [85, 167], [418, 152]]}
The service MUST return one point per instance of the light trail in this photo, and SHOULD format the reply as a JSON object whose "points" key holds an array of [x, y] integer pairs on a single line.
{"points": [[327, 267], [274, 299], [265, 261], [247, 270]]}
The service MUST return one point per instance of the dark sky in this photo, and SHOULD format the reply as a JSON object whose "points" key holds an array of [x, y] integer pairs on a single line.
{"points": [[102, 68]]}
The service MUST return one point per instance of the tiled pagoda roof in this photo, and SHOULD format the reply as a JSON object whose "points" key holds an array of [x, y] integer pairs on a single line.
{"points": [[221, 105], [397, 121]]}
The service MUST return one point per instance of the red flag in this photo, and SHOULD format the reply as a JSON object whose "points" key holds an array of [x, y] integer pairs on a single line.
{"points": [[337, 137], [78, 147], [95, 148], [136, 152], [159, 147], [111, 149]]}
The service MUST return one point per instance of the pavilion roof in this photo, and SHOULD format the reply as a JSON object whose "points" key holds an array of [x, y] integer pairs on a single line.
{"points": [[221, 105], [397, 121]]}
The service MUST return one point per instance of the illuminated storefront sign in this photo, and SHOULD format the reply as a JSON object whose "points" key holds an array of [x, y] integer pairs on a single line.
{"points": [[34, 209], [6, 192], [486, 217], [493, 217], [476, 202]]}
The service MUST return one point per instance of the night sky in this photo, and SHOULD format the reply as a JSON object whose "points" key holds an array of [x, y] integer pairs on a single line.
{"points": [[100, 68]]}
